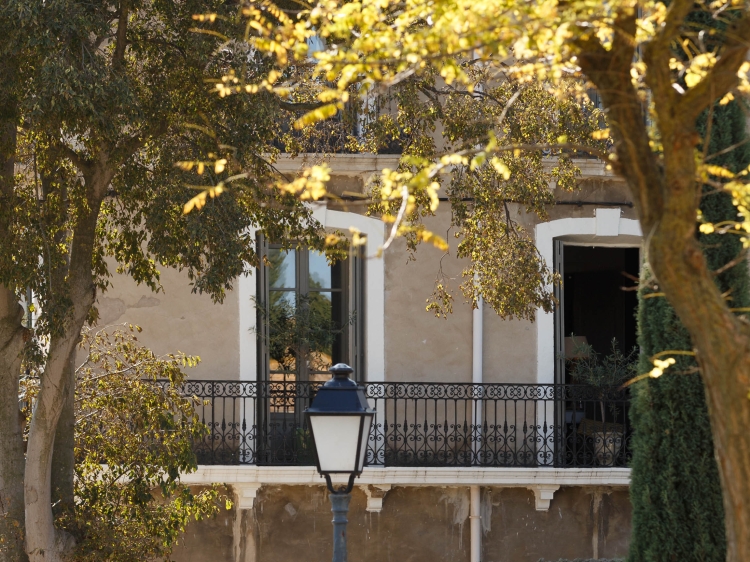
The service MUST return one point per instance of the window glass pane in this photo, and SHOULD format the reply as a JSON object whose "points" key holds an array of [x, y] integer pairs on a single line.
{"points": [[320, 272], [283, 345], [319, 333], [308, 328], [325, 332], [322, 275], [283, 268]]}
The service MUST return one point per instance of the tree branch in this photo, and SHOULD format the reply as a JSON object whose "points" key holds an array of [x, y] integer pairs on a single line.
{"points": [[129, 146], [677, 11], [726, 150], [722, 77], [80, 162], [121, 41], [299, 106], [609, 70]]}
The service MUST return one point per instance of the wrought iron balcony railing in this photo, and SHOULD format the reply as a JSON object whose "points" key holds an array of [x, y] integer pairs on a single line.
{"points": [[423, 424]]}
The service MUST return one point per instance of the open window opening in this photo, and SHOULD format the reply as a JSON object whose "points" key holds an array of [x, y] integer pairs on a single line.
{"points": [[595, 348], [597, 309]]}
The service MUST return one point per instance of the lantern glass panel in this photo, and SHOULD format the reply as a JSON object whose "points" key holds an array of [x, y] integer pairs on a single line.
{"points": [[336, 439], [365, 438]]}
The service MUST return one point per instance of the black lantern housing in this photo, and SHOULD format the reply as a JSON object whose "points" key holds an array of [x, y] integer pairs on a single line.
{"points": [[340, 419]]}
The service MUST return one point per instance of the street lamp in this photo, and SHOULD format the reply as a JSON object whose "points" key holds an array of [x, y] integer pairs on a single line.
{"points": [[339, 419]]}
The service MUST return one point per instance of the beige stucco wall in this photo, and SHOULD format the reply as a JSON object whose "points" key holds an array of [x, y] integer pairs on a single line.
{"points": [[421, 347], [418, 346], [178, 320]]}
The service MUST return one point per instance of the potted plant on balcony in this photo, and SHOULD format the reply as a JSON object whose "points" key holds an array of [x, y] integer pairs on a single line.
{"points": [[603, 373]]}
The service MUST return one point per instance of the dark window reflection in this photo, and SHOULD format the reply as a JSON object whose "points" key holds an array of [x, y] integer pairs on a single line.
{"points": [[307, 315]]}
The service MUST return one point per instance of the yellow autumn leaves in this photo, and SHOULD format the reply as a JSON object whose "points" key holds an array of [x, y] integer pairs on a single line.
{"points": [[739, 187]]}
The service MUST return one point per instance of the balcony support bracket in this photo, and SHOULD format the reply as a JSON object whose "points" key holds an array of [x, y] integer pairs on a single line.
{"points": [[543, 494], [245, 493], [375, 494]]}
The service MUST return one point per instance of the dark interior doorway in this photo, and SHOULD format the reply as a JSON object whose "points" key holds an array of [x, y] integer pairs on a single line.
{"points": [[595, 304]]}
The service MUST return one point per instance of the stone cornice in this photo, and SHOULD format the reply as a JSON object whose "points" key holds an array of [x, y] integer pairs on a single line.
{"points": [[403, 476], [376, 481], [367, 164]]}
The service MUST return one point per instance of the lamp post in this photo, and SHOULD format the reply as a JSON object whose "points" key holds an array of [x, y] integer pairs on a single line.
{"points": [[339, 419]]}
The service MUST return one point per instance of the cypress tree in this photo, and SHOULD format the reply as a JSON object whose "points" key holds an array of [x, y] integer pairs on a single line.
{"points": [[675, 489]]}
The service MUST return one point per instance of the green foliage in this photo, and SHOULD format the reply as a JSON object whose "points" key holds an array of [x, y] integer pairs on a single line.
{"points": [[105, 97], [423, 117], [675, 489], [602, 372], [92, 110], [133, 439], [587, 560], [489, 195]]}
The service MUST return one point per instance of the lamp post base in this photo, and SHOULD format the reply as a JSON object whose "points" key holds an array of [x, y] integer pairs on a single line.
{"points": [[340, 509]]}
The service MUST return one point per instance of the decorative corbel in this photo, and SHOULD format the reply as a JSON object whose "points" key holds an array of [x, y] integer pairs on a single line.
{"points": [[375, 494], [543, 494], [245, 494]]}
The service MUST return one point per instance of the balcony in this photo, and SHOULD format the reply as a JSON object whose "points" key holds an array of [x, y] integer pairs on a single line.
{"points": [[422, 424]]}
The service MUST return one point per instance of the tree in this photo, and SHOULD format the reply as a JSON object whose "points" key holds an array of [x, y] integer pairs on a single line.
{"points": [[134, 436], [653, 100], [675, 487], [99, 100]]}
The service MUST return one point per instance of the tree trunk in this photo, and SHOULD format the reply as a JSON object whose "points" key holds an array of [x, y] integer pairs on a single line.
{"points": [[11, 437], [675, 487], [44, 543], [666, 196], [11, 344], [63, 455]]}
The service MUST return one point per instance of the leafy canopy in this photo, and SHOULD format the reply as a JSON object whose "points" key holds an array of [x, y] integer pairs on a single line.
{"points": [[467, 138], [109, 95], [476, 56]]}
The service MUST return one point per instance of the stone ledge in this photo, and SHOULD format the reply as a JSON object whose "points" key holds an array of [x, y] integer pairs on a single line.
{"points": [[367, 164], [403, 476]]}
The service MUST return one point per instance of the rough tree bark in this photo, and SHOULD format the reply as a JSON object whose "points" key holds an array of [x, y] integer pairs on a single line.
{"points": [[667, 196]]}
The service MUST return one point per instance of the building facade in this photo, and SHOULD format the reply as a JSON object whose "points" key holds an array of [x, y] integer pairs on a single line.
{"points": [[483, 447]]}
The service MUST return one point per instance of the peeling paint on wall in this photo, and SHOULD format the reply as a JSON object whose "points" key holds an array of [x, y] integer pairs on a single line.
{"points": [[460, 500]]}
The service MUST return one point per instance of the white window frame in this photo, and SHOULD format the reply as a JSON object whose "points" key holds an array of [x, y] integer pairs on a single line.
{"points": [[605, 228], [374, 229]]}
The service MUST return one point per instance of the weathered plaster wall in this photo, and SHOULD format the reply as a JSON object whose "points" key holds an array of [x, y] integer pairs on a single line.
{"points": [[607, 189], [178, 320], [417, 524], [420, 347], [209, 540], [581, 523], [509, 349]]}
